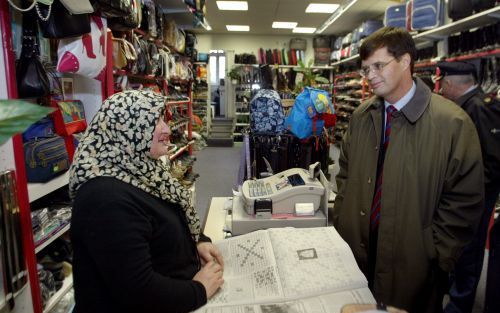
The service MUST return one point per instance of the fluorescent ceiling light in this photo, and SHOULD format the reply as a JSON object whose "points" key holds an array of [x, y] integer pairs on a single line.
{"points": [[232, 5], [238, 28], [321, 8], [304, 30], [288, 25], [335, 16]]}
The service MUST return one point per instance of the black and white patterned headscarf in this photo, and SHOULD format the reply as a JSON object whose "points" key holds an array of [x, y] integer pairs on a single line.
{"points": [[117, 144]]}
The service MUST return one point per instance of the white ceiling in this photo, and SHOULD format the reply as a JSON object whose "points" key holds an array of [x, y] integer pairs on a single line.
{"points": [[262, 13]]}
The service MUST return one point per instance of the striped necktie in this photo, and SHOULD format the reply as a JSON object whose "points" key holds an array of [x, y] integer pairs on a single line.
{"points": [[375, 209]]}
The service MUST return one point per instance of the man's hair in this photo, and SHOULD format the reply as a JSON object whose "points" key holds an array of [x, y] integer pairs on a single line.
{"points": [[397, 41], [462, 79]]}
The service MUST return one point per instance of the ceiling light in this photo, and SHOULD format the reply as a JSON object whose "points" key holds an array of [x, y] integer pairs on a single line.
{"points": [[232, 5], [321, 8], [335, 16], [238, 28], [287, 25], [304, 30]]}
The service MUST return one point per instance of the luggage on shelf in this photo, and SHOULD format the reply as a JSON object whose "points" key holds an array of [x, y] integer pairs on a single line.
{"points": [[427, 14], [395, 15], [458, 9]]}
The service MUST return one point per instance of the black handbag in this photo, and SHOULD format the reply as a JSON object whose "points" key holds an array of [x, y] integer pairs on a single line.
{"points": [[112, 8], [61, 23], [32, 79]]}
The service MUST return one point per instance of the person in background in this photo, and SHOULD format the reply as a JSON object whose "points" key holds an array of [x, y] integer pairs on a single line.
{"points": [[135, 234], [410, 182], [459, 84]]}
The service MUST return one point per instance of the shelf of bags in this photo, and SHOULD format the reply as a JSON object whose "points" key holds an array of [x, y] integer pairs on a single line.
{"points": [[348, 60], [425, 64], [180, 102], [67, 285], [180, 81], [181, 150], [474, 55], [56, 233], [38, 190], [138, 76], [177, 126], [480, 19]]}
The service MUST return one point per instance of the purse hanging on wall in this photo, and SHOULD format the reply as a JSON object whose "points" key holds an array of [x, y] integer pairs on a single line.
{"points": [[32, 79], [85, 55], [60, 22], [69, 118]]}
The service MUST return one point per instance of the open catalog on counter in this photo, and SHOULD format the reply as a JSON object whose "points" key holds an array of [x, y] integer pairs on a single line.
{"points": [[288, 270]]}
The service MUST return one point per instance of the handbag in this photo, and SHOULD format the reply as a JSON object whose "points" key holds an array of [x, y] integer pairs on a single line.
{"points": [[61, 23], [69, 118], [123, 53], [129, 22], [32, 79], [42, 128], [85, 55], [112, 8], [45, 158]]}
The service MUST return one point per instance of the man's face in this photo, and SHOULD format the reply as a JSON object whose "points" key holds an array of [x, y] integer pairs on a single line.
{"points": [[384, 73]]}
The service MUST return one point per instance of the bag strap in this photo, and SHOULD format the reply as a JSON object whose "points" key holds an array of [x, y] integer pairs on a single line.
{"points": [[31, 6], [30, 45]]}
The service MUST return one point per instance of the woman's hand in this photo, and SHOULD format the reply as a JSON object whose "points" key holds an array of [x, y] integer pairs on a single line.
{"points": [[208, 252], [210, 276]]}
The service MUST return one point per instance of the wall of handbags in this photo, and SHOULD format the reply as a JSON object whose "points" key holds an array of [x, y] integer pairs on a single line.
{"points": [[63, 50]]}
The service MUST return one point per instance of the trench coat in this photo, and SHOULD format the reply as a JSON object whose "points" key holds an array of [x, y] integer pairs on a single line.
{"points": [[432, 195]]}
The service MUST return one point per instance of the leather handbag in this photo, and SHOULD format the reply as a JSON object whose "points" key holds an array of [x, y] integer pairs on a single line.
{"points": [[112, 8], [61, 23], [123, 53], [32, 79], [129, 22]]}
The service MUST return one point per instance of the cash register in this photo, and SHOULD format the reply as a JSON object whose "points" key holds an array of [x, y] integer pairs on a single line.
{"points": [[296, 197]]}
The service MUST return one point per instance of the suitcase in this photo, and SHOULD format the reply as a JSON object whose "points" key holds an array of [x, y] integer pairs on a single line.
{"points": [[458, 9], [321, 42], [427, 14], [369, 27], [395, 16]]}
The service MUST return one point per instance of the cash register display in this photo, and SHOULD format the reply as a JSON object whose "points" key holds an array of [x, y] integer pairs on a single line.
{"points": [[296, 180]]}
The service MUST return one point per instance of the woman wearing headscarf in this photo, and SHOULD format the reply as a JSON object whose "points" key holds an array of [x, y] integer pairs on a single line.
{"points": [[135, 234]]}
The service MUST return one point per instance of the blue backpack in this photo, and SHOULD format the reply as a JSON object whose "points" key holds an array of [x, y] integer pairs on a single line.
{"points": [[266, 113], [305, 118]]}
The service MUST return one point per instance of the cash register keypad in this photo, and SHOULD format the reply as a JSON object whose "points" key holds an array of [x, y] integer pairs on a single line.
{"points": [[259, 189]]}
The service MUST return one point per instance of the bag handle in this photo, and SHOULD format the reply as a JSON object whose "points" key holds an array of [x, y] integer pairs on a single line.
{"points": [[31, 6]]}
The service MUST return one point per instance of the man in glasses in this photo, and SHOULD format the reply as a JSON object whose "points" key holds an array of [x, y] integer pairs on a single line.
{"points": [[459, 84], [410, 181]]}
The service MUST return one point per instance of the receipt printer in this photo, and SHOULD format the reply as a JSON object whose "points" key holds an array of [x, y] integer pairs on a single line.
{"points": [[283, 190]]}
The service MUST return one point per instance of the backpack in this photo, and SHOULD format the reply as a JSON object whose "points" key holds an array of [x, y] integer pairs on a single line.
{"points": [[312, 108], [266, 113]]}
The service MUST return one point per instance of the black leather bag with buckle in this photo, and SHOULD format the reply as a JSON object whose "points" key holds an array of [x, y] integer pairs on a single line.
{"points": [[32, 79]]}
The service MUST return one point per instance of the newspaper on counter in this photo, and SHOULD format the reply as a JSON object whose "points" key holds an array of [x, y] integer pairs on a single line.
{"points": [[288, 270]]}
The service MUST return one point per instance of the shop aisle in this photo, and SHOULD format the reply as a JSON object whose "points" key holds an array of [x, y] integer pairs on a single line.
{"points": [[218, 169]]}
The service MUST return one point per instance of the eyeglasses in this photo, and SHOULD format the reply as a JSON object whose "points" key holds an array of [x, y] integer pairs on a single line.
{"points": [[376, 67]]}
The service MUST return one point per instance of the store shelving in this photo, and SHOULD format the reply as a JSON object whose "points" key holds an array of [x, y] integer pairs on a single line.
{"points": [[51, 237], [439, 33], [38, 190], [67, 285]]}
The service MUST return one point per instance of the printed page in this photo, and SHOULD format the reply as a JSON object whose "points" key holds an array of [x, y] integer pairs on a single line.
{"points": [[250, 273], [314, 261], [328, 303]]}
